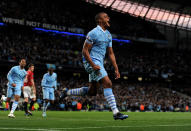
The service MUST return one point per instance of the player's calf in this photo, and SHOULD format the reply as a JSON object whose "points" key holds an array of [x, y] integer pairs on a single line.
{"points": [[25, 104], [14, 106], [92, 91], [109, 96], [32, 104], [46, 103], [74, 92]]}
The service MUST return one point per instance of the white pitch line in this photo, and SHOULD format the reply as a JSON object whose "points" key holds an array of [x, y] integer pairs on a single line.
{"points": [[81, 128], [27, 129]]}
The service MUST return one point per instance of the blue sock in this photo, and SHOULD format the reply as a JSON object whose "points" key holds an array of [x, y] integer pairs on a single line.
{"points": [[108, 94], [45, 106], [78, 91], [14, 106]]}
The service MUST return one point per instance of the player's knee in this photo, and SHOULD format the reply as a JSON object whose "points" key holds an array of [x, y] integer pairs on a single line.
{"points": [[17, 99], [108, 84], [26, 99]]}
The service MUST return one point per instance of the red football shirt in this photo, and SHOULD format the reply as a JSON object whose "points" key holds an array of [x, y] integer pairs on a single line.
{"points": [[28, 79]]}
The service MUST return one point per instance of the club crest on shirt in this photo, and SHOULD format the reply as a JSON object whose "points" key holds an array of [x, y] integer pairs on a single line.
{"points": [[109, 37]]}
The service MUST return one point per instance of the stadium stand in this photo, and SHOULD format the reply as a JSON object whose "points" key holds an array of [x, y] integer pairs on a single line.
{"points": [[159, 68]]}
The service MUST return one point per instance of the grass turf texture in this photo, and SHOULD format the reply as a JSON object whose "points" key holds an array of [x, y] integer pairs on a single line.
{"points": [[96, 121]]}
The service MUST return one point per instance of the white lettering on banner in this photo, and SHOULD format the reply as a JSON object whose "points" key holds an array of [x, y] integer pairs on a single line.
{"points": [[40, 25], [77, 30], [72, 29], [53, 27], [13, 21], [33, 23]]}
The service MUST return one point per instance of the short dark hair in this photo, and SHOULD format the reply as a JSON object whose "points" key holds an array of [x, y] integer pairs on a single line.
{"points": [[21, 59], [98, 16], [30, 65]]}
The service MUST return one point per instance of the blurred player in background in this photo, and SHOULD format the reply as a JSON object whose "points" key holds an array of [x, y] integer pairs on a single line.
{"points": [[29, 90], [97, 42], [16, 78], [49, 85]]}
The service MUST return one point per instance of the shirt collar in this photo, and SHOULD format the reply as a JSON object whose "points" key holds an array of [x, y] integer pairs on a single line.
{"points": [[49, 74], [99, 27], [20, 67]]}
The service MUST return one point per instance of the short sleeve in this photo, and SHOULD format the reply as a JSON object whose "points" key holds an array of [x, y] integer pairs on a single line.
{"points": [[90, 38], [110, 41]]}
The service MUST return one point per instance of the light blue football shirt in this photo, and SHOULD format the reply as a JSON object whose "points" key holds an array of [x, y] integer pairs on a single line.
{"points": [[16, 75], [49, 80], [100, 40]]}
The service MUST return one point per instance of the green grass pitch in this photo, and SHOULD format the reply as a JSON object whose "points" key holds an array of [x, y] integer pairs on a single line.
{"points": [[96, 121]]}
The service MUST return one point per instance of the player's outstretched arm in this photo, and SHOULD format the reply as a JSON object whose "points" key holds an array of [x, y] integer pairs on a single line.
{"points": [[113, 61], [85, 51]]}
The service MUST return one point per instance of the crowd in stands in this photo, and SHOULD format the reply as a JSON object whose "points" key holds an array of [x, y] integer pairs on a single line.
{"points": [[42, 48], [153, 97], [156, 62]]}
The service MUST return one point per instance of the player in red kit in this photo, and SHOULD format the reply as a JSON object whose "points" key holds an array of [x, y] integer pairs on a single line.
{"points": [[29, 90]]}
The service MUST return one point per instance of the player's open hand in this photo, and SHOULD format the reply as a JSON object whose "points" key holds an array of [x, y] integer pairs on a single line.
{"points": [[117, 74], [96, 67], [13, 85]]}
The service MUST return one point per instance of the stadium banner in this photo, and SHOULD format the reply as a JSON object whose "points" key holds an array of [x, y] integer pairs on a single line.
{"points": [[24, 22], [36, 24]]}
